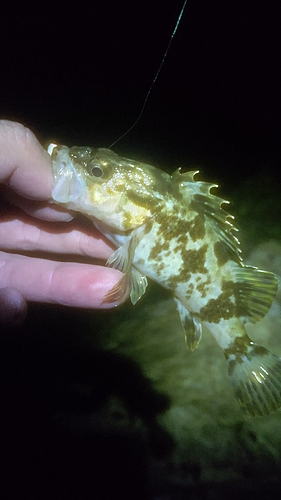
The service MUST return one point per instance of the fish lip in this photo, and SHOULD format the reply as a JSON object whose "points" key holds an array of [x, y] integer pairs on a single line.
{"points": [[68, 185], [51, 148]]}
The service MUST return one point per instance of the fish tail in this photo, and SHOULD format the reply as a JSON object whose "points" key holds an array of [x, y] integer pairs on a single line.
{"points": [[256, 377]]}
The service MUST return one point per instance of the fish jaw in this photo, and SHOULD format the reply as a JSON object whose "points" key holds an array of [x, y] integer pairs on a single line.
{"points": [[68, 186], [71, 189]]}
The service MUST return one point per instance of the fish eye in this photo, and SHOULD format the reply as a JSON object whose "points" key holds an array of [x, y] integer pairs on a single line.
{"points": [[96, 171], [100, 168]]}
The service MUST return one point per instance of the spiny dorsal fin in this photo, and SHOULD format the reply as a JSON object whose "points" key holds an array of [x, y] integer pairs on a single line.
{"points": [[204, 201]]}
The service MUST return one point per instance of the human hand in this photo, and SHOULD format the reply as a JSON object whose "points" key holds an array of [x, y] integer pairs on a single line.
{"points": [[44, 252]]}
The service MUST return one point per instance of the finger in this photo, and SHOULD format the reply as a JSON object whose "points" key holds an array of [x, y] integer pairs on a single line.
{"points": [[20, 233], [25, 168], [70, 284], [24, 164], [39, 209], [13, 307]]}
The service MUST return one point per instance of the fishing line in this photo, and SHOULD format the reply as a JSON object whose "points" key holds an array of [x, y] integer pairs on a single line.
{"points": [[155, 78]]}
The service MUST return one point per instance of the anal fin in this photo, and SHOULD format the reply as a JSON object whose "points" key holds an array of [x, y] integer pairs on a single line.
{"points": [[192, 327]]}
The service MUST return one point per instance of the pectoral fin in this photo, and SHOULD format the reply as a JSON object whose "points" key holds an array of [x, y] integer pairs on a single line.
{"points": [[120, 290], [120, 259], [133, 281], [138, 285], [192, 327]]}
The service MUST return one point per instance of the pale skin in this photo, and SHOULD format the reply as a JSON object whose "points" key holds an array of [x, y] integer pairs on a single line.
{"points": [[34, 232]]}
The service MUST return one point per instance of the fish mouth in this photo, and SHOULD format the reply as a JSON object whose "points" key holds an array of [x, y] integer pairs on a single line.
{"points": [[68, 185]]}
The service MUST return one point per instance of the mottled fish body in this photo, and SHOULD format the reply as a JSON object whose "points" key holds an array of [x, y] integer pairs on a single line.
{"points": [[174, 230]]}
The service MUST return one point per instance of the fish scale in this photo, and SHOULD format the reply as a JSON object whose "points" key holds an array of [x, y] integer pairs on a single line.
{"points": [[174, 230]]}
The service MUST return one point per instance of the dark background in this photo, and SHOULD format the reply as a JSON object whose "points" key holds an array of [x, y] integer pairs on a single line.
{"points": [[79, 73]]}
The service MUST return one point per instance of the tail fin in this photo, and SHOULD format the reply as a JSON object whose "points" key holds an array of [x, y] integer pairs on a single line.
{"points": [[256, 379]]}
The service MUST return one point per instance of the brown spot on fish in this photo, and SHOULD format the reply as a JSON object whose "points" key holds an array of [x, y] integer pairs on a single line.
{"points": [[242, 347], [158, 248], [238, 347], [182, 277], [158, 267], [153, 204], [222, 253], [193, 263], [148, 227], [172, 227], [195, 260], [174, 224], [127, 220], [197, 231], [189, 291], [203, 287], [223, 307]]}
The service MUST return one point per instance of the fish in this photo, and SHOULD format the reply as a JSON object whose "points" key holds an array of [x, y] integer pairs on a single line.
{"points": [[175, 231]]}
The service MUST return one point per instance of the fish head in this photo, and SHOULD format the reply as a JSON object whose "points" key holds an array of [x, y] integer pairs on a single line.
{"points": [[119, 192]]}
